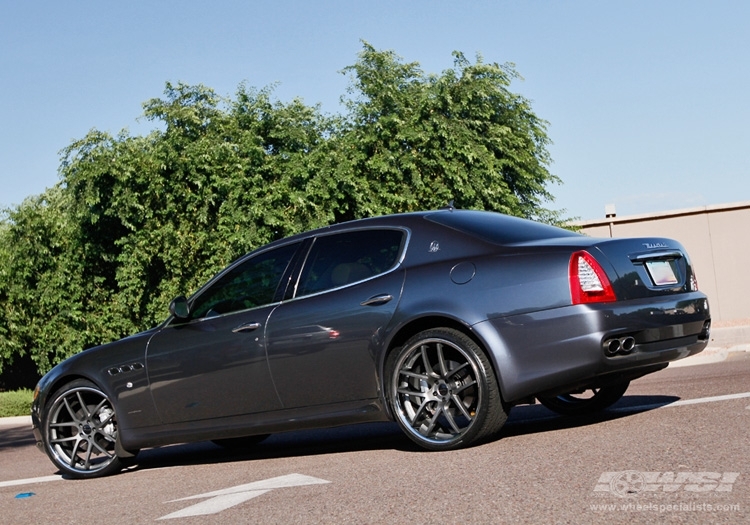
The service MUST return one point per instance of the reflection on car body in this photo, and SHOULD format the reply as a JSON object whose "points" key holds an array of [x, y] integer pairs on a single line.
{"points": [[439, 320]]}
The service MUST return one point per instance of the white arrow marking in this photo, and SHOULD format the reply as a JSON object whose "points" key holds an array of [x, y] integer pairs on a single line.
{"points": [[214, 505], [223, 499]]}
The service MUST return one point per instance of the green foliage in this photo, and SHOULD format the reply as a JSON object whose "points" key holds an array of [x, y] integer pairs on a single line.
{"points": [[416, 141], [16, 403], [137, 220]]}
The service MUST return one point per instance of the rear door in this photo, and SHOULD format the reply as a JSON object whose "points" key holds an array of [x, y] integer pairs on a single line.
{"points": [[323, 344]]}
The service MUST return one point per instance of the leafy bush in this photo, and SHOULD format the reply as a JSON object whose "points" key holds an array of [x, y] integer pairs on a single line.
{"points": [[138, 220], [17, 403]]}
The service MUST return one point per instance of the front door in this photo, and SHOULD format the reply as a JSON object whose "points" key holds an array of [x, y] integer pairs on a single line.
{"points": [[213, 364]]}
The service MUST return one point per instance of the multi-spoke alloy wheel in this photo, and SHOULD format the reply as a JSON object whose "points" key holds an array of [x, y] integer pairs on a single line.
{"points": [[81, 431], [443, 392], [585, 401]]}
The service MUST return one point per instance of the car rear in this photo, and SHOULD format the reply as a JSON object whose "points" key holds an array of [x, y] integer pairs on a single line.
{"points": [[655, 289], [565, 310]]}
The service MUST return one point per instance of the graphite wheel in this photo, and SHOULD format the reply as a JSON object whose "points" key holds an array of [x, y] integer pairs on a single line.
{"points": [[80, 431], [586, 401], [443, 392]]}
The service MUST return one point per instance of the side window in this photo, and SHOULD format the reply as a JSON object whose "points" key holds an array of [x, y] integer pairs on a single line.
{"points": [[249, 284], [341, 259]]}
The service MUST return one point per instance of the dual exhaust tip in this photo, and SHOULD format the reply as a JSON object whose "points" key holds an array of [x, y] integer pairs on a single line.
{"points": [[622, 345]]}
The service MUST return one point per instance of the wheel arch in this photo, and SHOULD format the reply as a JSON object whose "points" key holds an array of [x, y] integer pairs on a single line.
{"points": [[58, 382], [415, 326]]}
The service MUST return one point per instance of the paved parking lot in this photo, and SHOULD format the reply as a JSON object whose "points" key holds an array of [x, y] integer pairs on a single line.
{"points": [[674, 449]]}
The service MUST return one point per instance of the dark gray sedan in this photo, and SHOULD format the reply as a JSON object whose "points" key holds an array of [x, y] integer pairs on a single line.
{"points": [[439, 320]]}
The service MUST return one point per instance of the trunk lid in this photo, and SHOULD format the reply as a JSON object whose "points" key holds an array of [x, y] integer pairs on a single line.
{"points": [[645, 267]]}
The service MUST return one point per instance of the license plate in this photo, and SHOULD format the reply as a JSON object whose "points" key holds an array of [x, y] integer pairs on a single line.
{"points": [[661, 272]]}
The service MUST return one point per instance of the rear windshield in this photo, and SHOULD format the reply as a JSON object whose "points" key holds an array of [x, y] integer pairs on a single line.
{"points": [[498, 228]]}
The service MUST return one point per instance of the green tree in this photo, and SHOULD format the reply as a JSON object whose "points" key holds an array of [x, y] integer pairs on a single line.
{"points": [[414, 141], [166, 211], [137, 220], [45, 296]]}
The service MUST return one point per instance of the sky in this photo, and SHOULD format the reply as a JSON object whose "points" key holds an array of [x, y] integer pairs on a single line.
{"points": [[647, 101]]}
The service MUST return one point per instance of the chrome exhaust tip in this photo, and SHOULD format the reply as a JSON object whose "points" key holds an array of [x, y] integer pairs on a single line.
{"points": [[611, 347], [622, 345], [627, 344]]}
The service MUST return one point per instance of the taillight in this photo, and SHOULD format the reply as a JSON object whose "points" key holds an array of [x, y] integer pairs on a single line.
{"points": [[588, 282], [693, 283]]}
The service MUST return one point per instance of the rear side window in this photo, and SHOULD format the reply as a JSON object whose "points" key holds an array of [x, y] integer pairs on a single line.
{"points": [[345, 258]]}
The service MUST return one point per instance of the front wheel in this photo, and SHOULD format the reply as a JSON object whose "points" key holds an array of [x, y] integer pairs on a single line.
{"points": [[80, 431], [442, 390], [585, 401]]}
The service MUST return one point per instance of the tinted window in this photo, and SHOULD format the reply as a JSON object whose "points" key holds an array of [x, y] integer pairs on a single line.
{"points": [[498, 228], [249, 284], [345, 258]]}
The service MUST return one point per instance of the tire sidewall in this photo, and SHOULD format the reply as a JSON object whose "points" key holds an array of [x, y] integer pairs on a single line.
{"points": [[114, 466], [480, 368]]}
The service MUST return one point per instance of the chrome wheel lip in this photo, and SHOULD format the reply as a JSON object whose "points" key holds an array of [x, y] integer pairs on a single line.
{"points": [[436, 390], [88, 445]]}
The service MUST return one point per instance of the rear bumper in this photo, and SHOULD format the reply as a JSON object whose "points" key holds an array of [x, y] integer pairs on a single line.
{"points": [[564, 348]]}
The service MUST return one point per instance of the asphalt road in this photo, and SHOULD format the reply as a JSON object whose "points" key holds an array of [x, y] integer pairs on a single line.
{"points": [[675, 449]]}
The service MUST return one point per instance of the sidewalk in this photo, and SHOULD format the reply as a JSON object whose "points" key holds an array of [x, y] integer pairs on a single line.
{"points": [[724, 341]]}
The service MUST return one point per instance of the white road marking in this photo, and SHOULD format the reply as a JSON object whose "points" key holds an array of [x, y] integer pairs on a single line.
{"points": [[650, 406], [711, 399], [214, 505], [29, 481], [251, 490], [682, 402], [223, 499]]}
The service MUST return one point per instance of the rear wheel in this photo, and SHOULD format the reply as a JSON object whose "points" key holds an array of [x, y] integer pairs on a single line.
{"points": [[442, 390], [586, 401], [80, 431]]}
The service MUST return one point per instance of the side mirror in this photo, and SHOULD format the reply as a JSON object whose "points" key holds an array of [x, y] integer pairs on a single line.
{"points": [[179, 307]]}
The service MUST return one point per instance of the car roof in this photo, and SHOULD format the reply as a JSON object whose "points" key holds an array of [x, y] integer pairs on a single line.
{"points": [[493, 227]]}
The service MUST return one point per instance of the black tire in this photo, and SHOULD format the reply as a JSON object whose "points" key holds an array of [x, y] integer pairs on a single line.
{"points": [[80, 431], [442, 390], [240, 442], [585, 402]]}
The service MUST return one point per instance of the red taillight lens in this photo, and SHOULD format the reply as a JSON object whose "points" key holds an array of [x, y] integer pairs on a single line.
{"points": [[588, 282]]}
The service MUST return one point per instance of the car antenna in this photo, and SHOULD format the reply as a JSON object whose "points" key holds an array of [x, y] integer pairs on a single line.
{"points": [[450, 206]]}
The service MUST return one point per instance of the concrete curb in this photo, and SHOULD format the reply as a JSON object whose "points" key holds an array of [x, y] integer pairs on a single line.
{"points": [[15, 421], [712, 354], [724, 341]]}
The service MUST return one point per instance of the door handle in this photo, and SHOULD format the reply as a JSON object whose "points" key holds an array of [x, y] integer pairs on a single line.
{"points": [[377, 300], [247, 327]]}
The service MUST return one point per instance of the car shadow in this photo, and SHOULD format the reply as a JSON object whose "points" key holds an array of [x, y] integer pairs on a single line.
{"points": [[353, 438], [531, 419], [525, 419], [16, 437]]}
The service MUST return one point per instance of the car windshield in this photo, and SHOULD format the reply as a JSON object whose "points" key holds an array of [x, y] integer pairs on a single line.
{"points": [[498, 228]]}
